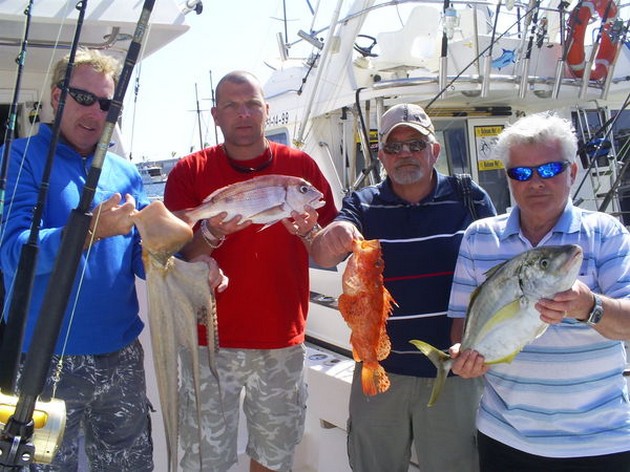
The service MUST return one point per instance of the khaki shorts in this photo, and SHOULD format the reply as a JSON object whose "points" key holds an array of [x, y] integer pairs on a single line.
{"points": [[382, 428], [274, 405]]}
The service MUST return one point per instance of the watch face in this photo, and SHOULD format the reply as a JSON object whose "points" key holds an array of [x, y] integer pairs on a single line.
{"points": [[597, 313]]}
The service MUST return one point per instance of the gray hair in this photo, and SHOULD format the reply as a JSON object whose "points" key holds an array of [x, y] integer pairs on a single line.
{"points": [[538, 128]]}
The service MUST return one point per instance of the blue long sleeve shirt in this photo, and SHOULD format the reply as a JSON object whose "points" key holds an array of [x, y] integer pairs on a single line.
{"points": [[103, 317]]}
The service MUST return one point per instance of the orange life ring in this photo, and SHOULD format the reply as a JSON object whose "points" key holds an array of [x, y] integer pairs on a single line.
{"points": [[578, 21]]}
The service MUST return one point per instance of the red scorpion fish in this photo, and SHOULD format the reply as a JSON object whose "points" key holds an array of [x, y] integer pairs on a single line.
{"points": [[365, 305]]}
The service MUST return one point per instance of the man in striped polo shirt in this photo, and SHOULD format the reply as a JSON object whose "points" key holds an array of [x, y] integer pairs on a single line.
{"points": [[562, 404]]}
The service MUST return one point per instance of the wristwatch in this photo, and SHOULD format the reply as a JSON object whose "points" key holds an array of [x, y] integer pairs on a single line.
{"points": [[596, 313]]}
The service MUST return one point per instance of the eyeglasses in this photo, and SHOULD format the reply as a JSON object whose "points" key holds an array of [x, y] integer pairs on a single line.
{"points": [[545, 171], [412, 146], [87, 99]]}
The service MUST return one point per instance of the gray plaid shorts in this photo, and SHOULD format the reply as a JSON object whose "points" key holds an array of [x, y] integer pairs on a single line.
{"points": [[274, 405]]}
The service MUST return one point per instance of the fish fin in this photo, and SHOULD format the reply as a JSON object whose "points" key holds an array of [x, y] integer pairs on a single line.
{"points": [[504, 313], [277, 210], [541, 331], [355, 355], [509, 358], [490, 272], [383, 382], [384, 346], [271, 223], [442, 363], [373, 378]]}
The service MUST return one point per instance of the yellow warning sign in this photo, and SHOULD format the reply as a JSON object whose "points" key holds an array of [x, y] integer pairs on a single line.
{"points": [[490, 164], [487, 131], [485, 138]]}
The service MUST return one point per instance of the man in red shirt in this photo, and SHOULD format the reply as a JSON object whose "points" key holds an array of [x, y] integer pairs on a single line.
{"points": [[262, 314]]}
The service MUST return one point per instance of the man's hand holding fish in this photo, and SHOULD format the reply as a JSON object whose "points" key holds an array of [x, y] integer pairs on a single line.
{"points": [[303, 224], [468, 364], [576, 302], [334, 242]]}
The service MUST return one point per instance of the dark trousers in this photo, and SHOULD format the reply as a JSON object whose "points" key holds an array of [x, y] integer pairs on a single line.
{"points": [[497, 457]]}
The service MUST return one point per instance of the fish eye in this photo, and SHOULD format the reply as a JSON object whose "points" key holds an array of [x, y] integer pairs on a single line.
{"points": [[544, 263], [303, 188]]}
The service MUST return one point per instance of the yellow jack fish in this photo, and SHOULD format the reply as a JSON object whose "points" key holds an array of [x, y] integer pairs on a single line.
{"points": [[501, 317]]}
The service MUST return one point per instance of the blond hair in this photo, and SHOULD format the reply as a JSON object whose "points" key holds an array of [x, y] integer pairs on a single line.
{"points": [[93, 58]]}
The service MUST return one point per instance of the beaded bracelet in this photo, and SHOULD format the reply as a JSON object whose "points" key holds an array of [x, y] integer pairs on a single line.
{"points": [[210, 239]]}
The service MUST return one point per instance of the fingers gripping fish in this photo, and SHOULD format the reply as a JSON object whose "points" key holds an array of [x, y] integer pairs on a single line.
{"points": [[501, 318]]}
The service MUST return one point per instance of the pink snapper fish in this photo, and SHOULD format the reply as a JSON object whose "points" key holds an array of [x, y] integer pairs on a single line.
{"points": [[264, 200]]}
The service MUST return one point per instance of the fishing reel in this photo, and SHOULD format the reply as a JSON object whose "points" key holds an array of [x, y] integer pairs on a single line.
{"points": [[49, 422]]}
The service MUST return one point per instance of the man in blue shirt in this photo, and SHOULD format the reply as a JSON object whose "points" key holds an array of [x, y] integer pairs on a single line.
{"points": [[101, 378], [419, 217], [562, 403]]}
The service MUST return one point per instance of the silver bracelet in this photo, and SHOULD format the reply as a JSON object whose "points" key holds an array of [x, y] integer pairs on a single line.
{"points": [[308, 237], [210, 239]]}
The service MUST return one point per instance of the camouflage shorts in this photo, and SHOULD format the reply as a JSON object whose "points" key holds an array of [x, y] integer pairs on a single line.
{"points": [[274, 405], [106, 400]]}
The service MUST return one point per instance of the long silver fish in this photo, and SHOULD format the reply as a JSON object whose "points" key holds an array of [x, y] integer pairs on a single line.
{"points": [[501, 317], [179, 297], [264, 200]]}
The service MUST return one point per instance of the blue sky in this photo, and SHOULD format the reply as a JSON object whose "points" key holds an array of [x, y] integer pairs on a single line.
{"points": [[228, 35]]}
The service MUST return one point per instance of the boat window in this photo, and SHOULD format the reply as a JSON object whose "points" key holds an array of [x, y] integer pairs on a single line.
{"points": [[276, 136], [454, 156]]}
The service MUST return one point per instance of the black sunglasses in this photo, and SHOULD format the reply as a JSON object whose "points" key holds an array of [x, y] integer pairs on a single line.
{"points": [[545, 171], [87, 99], [413, 146]]}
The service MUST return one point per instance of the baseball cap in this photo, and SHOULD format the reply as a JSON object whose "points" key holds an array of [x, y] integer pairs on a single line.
{"points": [[405, 114]]}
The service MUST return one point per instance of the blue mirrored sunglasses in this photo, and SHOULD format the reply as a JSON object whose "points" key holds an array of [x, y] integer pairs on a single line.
{"points": [[545, 171], [87, 99], [397, 147]]}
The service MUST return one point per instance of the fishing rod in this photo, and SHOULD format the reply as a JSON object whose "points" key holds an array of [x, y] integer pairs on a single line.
{"points": [[25, 272], [605, 130], [522, 90], [6, 383], [471, 63], [12, 117], [58, 289], [450, 21], [6, 152], [487, 63], [566, 46]]}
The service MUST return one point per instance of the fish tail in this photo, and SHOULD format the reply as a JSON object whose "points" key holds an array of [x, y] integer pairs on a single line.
{"points": [[373, 378], [442, 363]]}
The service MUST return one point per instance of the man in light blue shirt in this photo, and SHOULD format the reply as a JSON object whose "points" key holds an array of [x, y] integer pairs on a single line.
{"points": [[562, 403]]}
